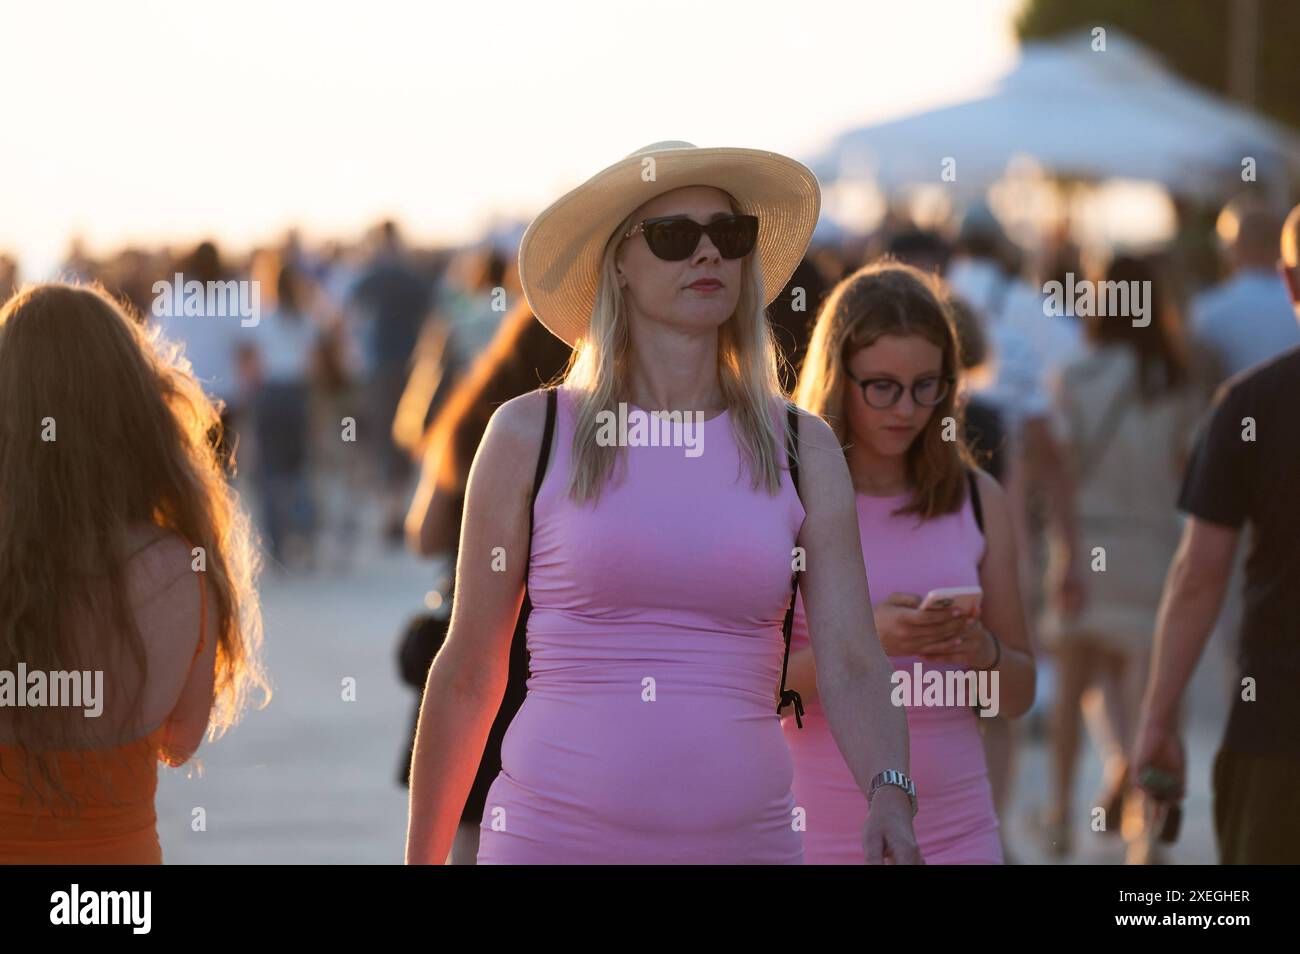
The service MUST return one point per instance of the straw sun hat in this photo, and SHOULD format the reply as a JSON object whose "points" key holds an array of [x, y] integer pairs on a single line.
{"points": [[559, 255]]}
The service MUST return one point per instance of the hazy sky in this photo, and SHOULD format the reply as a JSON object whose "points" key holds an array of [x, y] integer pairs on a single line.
{"points": [[148, 121]]}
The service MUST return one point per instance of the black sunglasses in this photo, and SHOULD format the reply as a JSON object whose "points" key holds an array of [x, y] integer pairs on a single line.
{"points": [[675, 237], [885, 392]]}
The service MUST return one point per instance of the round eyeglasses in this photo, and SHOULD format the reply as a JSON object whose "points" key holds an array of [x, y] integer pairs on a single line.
{"points": [[885, 392]]}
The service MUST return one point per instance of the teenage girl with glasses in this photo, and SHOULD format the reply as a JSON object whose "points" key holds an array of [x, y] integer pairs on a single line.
{"points": [[882, 369]]}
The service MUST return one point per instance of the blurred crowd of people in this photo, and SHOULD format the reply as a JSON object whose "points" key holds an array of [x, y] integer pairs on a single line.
{"points": [[403, 353], [343, 333]]}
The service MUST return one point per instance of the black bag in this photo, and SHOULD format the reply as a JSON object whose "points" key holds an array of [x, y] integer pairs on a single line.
{"points": [[421, 641]]}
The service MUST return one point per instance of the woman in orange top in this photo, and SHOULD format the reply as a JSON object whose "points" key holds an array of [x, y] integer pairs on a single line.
{"points": [[126, 557]]}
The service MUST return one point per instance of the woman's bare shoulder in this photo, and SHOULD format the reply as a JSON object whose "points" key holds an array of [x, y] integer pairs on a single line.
{"points": [[520, 419], [818, 445], [825, 483], [991, 492], [158, 560], [814, 429], [513, 440], [150, 547]]}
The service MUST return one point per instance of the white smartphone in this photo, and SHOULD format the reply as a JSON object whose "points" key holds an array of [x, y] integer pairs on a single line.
{"points": [[964, 598]]}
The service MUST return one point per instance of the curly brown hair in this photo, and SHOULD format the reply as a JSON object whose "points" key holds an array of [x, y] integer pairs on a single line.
{"points": [[133, 446]]}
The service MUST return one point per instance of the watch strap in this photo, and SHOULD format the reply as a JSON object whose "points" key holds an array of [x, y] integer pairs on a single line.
{"points": [[893, 777]]}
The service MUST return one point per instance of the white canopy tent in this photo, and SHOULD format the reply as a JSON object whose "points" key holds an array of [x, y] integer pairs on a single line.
{"points": [[1079, 113]]}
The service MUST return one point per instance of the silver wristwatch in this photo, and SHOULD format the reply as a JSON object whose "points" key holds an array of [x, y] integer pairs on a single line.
{"points": [[893, 777]]}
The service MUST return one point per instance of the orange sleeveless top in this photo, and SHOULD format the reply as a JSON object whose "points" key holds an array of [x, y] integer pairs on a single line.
{"points": [[116, 822]]}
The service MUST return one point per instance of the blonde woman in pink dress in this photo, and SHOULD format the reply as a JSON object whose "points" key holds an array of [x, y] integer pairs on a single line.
{"points": [[882, 369], [658, 579]]}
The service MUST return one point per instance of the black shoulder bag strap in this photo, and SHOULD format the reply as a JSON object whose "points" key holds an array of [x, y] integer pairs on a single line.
{"points": [[790, 696], [542, 458], [975, 504], [978, 509]]}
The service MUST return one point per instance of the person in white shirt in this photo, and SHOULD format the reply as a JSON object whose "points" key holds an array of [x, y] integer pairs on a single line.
{"points": [[1029, 347], [1030, 344], [212, 343], [285, 347]]}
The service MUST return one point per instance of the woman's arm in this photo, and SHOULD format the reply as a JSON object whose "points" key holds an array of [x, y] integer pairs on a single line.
{"points": [[431, 520], [468, 677], [852, 671], [166, 596], [1002, 613], [187, 722]]}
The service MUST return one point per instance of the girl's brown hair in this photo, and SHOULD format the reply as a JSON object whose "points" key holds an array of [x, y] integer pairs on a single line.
{"points": [[133, 445], [888, 298], [1159, 347]]}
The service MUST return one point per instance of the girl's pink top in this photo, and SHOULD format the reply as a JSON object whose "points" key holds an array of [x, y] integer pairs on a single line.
{"points": [[649, 732], [955, 822]]}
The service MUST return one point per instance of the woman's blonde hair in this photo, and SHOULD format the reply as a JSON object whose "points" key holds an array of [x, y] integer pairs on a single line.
{"points": [[134, 445], [747, 373], [889, 298]]}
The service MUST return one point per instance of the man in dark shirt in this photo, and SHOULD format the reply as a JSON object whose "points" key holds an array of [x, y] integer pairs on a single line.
{"points": [[1245, 470]]}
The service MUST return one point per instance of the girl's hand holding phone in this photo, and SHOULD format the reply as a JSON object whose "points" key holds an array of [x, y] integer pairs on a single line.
{"points": [[972, 648], [907, 630]]}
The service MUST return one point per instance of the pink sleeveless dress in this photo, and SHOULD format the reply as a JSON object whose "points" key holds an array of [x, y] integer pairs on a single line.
{"points": [[955, 823], [649, 732]]}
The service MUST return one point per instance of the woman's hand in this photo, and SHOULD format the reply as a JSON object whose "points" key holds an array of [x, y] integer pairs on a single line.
{"points": [[906, 630], [972, 648], [888, 838]]}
